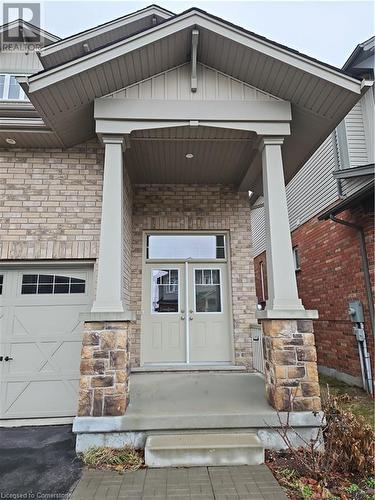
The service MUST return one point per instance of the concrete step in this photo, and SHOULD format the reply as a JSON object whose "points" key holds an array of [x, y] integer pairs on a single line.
{"points": [[203, 449], [188, 369]]}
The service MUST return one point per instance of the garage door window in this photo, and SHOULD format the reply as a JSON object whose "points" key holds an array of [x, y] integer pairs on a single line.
{"points": [[51, 284], [1, 284]]}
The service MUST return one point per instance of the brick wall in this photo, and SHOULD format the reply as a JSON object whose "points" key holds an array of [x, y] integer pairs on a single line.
{"points": [[127, 238], [182, 207], [50, 202], [50, 208], [330, 276]]}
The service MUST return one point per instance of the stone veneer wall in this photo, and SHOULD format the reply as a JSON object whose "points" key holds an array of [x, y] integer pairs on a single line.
{"points": [[103, 389], [290, 365], [198, 208]]}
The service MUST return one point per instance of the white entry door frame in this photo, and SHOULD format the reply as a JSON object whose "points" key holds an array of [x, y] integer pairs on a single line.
{"points": [[199, 334]]}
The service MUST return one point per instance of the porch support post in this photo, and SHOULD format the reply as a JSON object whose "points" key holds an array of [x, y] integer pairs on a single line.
{"points": [[109, 291], [281, 279], [105, 367], [291, 374]]}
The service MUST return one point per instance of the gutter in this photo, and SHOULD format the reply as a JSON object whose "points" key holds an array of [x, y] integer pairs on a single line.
{"points": [[347, 173]]}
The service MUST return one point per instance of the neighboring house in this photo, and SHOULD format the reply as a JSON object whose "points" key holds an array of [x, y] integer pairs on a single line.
{"points": [[124, 206], [338, 181]]}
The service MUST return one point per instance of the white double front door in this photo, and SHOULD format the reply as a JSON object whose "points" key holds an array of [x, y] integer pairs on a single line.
{"points": [[185, 315]]}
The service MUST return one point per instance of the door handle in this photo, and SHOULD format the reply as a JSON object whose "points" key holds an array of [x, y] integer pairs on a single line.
{"points": [[191, 318], [1, 358], [7, 358], [182, 317]]}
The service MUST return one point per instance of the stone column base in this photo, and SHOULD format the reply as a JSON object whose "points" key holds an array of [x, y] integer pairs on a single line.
{"points": [[290, 365], [103, 389]]}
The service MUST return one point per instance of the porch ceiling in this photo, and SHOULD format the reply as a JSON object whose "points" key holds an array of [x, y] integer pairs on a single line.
{"points": [[320, 94], [220, 155]]}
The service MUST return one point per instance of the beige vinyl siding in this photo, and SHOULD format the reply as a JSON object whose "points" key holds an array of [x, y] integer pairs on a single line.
{"points": [[257, 227], [357, 147], [19, 63], [356, 138], [175, 84], [368, 112], [314, 188], [308, 193]]}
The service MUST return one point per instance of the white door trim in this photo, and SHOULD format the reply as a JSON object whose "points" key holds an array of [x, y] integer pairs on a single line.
{"points": [[187, 313], [170, 262]]}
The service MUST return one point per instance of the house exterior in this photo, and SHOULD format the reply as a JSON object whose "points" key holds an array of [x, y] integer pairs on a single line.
{"points": [[125, 240], [336, 181]]}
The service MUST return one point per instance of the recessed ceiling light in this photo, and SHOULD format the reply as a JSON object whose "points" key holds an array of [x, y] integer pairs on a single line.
{"points": [[9, 140], [189, 156]]}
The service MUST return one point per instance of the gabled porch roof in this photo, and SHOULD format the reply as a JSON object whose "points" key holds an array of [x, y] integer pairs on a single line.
{"points": [[79, 44], [320, 95]]}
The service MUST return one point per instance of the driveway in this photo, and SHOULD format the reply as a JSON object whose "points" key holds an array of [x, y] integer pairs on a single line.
{"points": [[38, 461]]}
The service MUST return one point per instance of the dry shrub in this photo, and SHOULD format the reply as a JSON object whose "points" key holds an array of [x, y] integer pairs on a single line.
{"points": [[349, 440], [348, 444], [120, 459]]}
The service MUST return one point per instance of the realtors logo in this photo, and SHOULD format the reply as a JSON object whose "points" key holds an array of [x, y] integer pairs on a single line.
{"points": [[17, 34]]}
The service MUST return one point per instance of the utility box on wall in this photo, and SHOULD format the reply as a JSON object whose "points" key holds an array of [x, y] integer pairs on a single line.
{"points": [[356, 311]]}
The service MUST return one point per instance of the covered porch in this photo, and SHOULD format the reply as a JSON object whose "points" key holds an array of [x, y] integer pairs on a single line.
{"points": [[196, 401], [199, 171]]}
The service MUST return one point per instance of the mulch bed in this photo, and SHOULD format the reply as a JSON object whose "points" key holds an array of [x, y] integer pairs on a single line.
{"points": [[298, 485]]}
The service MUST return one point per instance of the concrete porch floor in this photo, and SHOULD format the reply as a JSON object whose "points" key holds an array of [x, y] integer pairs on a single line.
{"points": [[192, 402], [194, 394]]}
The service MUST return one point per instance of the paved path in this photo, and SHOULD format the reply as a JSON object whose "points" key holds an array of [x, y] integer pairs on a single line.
{"points": [[196, 483]]}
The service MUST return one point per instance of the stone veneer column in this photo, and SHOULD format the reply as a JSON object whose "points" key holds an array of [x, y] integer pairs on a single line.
{"points": [[290, 365], [104, 380]]}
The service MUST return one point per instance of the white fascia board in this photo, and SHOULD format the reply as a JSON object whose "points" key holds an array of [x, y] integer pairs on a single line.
{"points": [[170, 27], [16, 105], [99, 30], [123, 127], [154, 109], [32, 123]]}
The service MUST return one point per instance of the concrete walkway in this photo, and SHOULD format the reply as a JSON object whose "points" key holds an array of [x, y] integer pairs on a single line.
{"points": [[254, 482]]}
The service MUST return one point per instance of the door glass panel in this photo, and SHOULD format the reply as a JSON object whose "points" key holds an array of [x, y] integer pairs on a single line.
{"points": [[185, 246], [165, 291], [207, 291]]}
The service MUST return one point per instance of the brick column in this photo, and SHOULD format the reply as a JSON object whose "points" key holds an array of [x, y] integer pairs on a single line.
{"points": [[103, 389], [291, 373]]}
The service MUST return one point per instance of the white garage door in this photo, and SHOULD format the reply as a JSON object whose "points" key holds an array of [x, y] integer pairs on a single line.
{"points": [[40, 340]]}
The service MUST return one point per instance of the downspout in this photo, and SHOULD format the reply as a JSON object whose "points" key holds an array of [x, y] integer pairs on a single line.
{"points": [[336, 157], [365, 266]]}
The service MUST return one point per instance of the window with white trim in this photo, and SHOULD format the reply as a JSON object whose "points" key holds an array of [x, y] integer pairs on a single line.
{"points": [[10, 89]]}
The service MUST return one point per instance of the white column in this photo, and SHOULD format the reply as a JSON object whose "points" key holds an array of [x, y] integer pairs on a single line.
{"points": [[281, 279], [109, 291]]}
